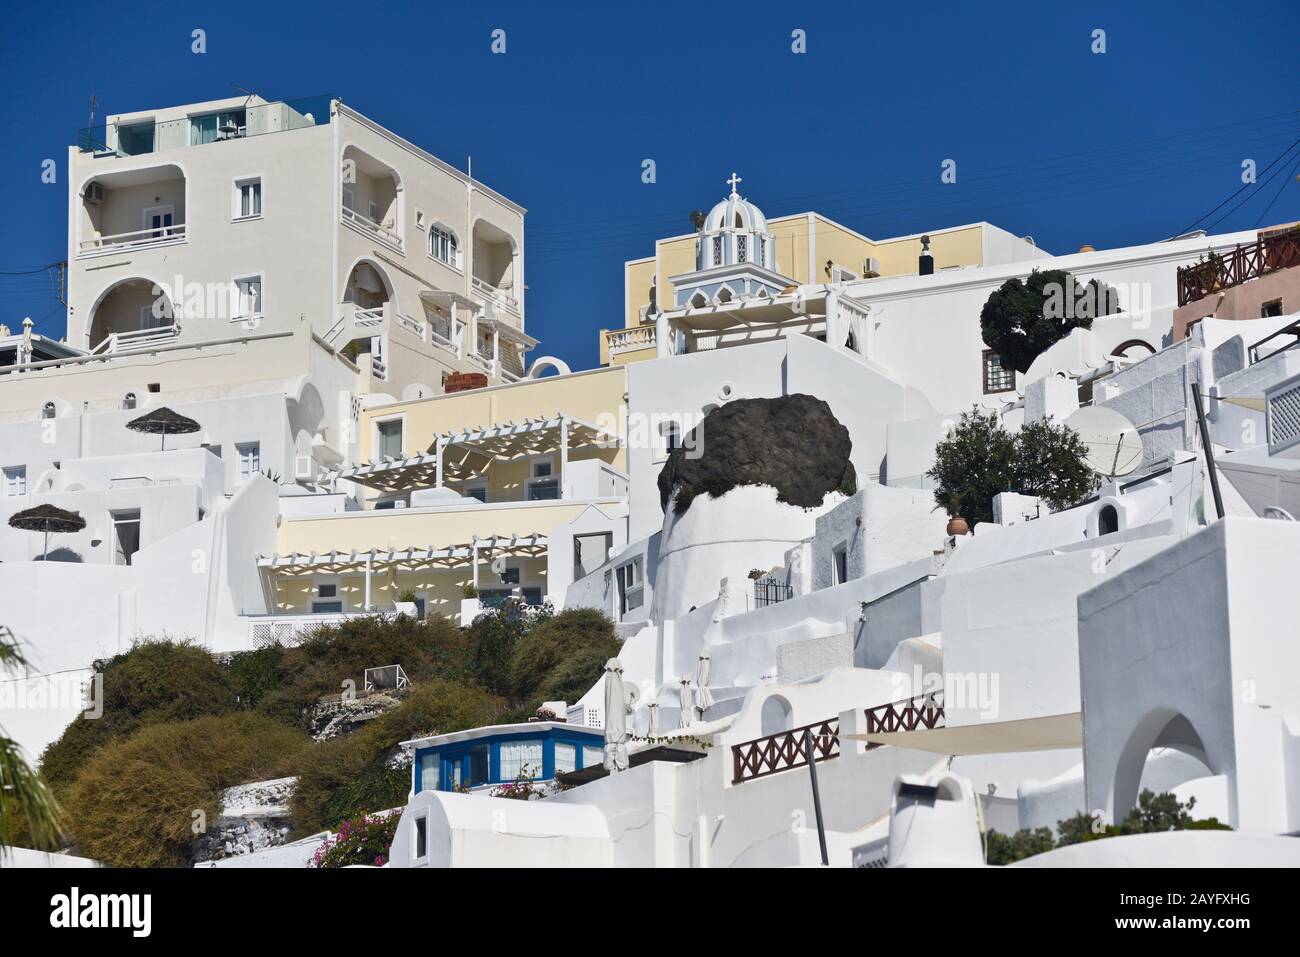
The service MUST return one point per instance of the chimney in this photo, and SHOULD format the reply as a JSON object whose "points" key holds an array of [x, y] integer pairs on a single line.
{"points": [[925, 266]]}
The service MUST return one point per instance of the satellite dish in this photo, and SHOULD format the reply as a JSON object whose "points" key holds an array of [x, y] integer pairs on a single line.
{"points": [[633, 693], [1113, 443]]}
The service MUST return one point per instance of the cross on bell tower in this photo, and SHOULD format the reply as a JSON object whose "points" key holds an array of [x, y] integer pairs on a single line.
{"points": [[733, 181]]}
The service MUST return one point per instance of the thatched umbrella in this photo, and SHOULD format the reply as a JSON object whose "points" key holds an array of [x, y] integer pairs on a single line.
{"points": [[47, 518], [161, 421]]}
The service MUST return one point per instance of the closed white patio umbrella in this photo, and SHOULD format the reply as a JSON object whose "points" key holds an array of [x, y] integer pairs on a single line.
{"points": [[687, 700], [653, 731], [615, 717], [703, 698]]}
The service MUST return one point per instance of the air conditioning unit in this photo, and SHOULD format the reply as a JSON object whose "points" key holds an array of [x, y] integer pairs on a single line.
{"points": [[870, 267], [840, 274], [95, 194], [304, 468]]}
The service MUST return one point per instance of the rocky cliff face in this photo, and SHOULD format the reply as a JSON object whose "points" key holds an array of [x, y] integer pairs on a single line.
{"points": [[793, 443]]}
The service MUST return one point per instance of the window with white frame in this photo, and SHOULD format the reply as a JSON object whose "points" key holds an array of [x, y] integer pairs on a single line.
{"points": [[476, 490], [248, 198], [543, 483], [742, 248], [443, 246], [430, 765], [839, 565], [592, 757], [517, 755], [566, 757], [249, 455], [420, 843], [248, 297], [717, 250], [15, 480], [327, 600], [631, 585], [348, 198], [388, 438]]}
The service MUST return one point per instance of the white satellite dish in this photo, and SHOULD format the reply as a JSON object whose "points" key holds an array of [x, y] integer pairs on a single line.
{"points": [[633, 693], [1113, 442]]}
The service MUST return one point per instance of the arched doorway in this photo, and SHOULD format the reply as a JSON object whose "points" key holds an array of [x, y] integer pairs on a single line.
{"points": [[1162, 728]]}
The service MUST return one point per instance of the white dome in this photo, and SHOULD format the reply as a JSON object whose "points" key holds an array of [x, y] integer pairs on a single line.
{"points": [[736, 212]]}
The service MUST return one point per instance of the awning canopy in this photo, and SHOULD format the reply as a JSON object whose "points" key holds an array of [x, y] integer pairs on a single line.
{"points": [[759, 310], [468, 453], [1049, 733], [410, 557]]}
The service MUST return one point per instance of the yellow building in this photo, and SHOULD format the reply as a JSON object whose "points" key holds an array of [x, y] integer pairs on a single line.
{"points": [[516, 488], [801, 249]]}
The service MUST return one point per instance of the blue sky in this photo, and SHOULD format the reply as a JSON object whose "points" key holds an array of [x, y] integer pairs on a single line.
{"points": [[1051, 139]]}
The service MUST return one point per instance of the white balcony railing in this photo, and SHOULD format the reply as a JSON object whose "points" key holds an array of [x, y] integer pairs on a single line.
{"points": [[137, 339], [369, 317], [133, 240], [630, 340], [410, 325], [492, 293], [289, 630], [383, 231]]}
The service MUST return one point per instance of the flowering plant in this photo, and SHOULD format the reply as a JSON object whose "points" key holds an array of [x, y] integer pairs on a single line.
{"points": [[364, 840]]}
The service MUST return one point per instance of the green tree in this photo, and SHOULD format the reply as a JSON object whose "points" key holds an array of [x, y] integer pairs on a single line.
{"points": [[1022, 319], [974, 461], [560, 658], [27, 805], [979, 458], [1051, 463]]}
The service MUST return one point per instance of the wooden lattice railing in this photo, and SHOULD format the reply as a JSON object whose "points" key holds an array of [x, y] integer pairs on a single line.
{"points": [[1268, 254], [780, 752], [923, 711]]}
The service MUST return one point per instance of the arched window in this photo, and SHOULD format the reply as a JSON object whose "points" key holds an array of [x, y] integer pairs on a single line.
{"points": [[1107, 520], [443, 246], [128, 401], [775, 716], [47, 410]]}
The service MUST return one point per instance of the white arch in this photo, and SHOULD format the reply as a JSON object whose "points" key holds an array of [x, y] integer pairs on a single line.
{"points": [[389, 289], [542, 363], [99, 300]]}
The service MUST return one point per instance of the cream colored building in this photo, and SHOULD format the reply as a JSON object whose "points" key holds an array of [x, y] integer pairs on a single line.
{"points": [[806, 249], [198, 222]]}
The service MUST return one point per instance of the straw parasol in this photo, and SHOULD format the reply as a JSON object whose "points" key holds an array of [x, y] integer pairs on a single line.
{"points": [[163, 421], [47, 518]]}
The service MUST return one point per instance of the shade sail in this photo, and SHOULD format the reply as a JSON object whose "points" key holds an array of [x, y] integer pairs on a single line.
{"points": [[1049, 733]]}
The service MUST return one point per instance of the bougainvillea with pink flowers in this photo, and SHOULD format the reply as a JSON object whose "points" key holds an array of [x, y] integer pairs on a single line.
{"points": [[364, 840]]}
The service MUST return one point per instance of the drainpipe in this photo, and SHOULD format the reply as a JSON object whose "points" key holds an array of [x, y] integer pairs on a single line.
{"points": [[370, 560], [1209, 449]]}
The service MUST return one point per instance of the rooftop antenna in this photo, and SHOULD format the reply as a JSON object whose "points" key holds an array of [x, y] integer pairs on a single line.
{"points": [[248, 93]]}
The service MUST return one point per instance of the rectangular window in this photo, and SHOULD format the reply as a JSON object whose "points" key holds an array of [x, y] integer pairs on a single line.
{"points": [[592, 757], [840, 565], [327, 591], [631, 590], [390, 438], [248, 298], [516, 755], [158, 220], [1271, 308], [250, 459], [566, 757], [430, 764], [126, 536], [327, 607], [543, 484], [478, 766], [374, 211], [348, 198], [248, 198], [420, 844], [996, 377], [15, 480], [476, 491]]}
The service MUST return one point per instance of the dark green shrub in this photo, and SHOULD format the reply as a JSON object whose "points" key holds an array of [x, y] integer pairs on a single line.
{"points": [[561, 657], [141, 800]]}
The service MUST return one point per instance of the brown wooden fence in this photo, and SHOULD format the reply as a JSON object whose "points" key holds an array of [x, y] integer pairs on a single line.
{"points": [[785, 750], [1268, 254], [923, 711]]}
